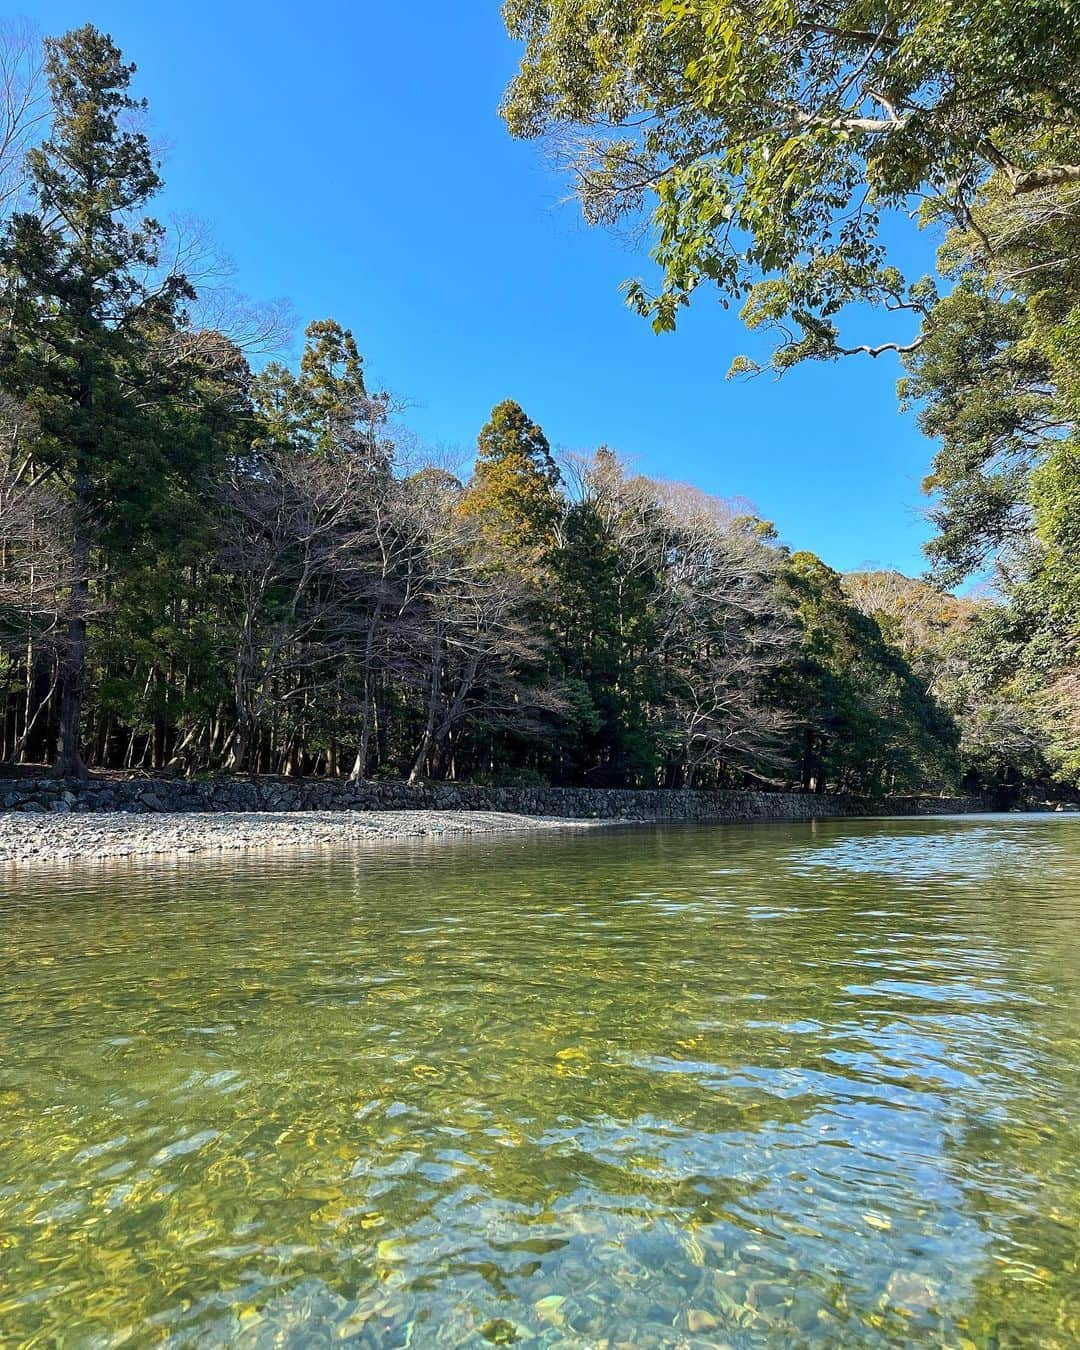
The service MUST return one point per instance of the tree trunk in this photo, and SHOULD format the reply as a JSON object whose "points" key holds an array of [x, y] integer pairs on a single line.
{"points": [[368, 698], [807, 759], [237, 749], [420, 761], [27, 731], [360, 763], [434, 690], [69, 761]]}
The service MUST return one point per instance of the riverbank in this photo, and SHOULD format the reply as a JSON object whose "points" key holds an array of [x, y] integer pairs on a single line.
{"points": [[34, 837], [35, 795], [51, 820]]}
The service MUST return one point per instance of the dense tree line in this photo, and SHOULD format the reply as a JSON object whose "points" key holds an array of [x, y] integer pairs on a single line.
{"points": [[209, 567]]}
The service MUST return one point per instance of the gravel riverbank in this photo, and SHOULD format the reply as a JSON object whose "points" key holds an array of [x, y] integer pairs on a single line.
{"points": [[30, 838]]}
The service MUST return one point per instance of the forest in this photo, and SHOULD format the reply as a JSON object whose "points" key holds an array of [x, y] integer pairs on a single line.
{"points": [[215, 561]]}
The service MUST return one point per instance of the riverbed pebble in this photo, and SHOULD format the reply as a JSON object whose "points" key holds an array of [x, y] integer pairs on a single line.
{"points": [[32, 837]]}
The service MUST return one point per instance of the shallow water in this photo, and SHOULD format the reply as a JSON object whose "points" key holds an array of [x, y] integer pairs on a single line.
{"points": [[748, 1086]]}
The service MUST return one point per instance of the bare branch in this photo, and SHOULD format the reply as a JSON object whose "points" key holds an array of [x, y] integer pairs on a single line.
{"points": [[23, 103]]}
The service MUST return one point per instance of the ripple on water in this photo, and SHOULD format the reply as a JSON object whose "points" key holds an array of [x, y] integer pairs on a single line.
{"points": [[751, 1086]]}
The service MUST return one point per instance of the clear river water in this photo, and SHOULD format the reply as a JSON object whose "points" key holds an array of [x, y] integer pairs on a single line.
{"points": [[763, 1085]]}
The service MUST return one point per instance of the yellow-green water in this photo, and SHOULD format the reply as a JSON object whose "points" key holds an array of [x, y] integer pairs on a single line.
{"points": [[743, 1086]]}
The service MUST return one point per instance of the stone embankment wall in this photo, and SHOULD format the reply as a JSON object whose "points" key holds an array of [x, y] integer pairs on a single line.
{"points": [[155, 795]]}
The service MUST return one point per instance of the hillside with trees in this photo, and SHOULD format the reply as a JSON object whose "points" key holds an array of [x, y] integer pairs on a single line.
{"points": [[210, 562]]}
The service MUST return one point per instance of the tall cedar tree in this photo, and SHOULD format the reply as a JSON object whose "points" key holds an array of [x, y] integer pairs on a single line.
{"points": [[87, 300], [515, 487]]}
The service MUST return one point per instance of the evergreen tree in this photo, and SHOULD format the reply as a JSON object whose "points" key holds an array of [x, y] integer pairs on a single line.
{"points": [[86, 304], [867, 723], [515, 486], [326, 408]]}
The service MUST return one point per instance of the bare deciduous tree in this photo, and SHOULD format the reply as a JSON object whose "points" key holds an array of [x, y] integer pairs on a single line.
{"points": [[35, 568], [722, 631], [718, 626], [295, 554], [23, 104], [472, 636]]}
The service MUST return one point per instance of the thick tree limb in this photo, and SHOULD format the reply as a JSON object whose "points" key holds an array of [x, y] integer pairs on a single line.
{"points": [[901, 348], [850, 34], [1047, 175]]}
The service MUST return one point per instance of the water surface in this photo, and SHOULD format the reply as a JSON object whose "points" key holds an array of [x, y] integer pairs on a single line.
{"points": [[808, 1084]]}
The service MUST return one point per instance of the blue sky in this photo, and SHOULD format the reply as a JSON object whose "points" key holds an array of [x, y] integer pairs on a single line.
{"points": [[350, 158]]}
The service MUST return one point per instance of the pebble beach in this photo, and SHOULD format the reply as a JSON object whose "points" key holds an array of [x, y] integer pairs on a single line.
{"points": [[27, 838]]}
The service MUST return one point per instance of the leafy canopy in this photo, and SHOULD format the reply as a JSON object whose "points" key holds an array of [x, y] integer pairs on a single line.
{"points": [[771, 137]]}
